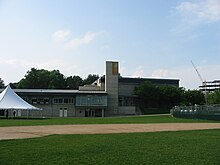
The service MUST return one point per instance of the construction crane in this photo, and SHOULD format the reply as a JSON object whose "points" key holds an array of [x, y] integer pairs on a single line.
{"points": [[201, 79]]}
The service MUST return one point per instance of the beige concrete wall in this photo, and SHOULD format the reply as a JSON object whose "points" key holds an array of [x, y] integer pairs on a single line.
{"points": [[111, 87], [51, 110]]}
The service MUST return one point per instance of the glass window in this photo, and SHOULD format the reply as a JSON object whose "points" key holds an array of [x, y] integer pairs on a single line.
{"points": [[40, 100], [91, 100], [66, 100]]}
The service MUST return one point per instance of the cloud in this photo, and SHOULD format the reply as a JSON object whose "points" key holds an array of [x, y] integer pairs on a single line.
{"points": [[160, 73], [61, 35], [188, 76], [15, 62], [206, 11], [64, 37], [86, 39], [139, 72]]}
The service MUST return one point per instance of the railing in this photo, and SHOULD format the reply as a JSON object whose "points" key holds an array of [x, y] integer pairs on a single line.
{"points": [[197, 111]]}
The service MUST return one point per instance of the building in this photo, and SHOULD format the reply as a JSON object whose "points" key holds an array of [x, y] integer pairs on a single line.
{"points": [[210, 86], [110, 95]]}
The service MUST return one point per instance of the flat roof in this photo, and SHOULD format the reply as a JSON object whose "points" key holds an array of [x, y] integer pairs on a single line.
{"points": [[141, 79], [57, 91], [153, 80]]}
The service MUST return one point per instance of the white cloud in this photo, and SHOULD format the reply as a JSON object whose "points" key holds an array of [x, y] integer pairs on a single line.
{"points": [[15, 62], [188, 76], [207, 11], [64, 37], [160, 73], [86, 39], [61, 35], [139, 72]]}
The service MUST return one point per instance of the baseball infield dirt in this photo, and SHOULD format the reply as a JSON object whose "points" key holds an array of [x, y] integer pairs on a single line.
{"points": [[39, 131]]}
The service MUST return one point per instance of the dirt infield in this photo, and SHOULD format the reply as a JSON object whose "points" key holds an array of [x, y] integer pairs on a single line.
{"points": [[22, 132]]}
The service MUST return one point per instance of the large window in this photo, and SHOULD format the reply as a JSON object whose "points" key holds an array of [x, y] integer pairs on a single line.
{"points": [[91, 100], [126, 101], [66, 100], [40, 100]]}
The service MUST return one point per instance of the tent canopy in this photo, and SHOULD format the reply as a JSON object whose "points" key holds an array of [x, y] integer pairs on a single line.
{"points": [[10, 100]]}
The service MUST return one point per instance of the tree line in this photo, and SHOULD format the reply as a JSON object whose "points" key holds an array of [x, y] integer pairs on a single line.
{"points": [[44, 79], [160, 99]]}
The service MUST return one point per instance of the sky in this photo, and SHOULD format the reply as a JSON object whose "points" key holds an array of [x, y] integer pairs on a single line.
{"points": [[152, 39]]}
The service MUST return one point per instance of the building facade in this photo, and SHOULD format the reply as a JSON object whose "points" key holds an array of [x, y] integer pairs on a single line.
{"points": [[110, 95], [210, 86]]}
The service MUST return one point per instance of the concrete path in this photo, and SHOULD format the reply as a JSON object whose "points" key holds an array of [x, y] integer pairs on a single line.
{"points": [[39, 131]]}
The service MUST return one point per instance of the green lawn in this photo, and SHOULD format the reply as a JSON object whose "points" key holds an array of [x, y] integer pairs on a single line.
{"points": [[107, 120], [183, 147]]}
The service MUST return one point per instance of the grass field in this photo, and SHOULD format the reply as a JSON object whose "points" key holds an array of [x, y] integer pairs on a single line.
{"points": [[107, 120], [183, 147]]}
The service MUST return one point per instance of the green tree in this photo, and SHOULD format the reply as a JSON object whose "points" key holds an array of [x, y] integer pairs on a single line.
{"points": [[165, 97], [214, 98], [56, 80], [148, 98], [170, 96], [158, 96], [73, 82], [42, 79], [192, 97], [90, 79]]}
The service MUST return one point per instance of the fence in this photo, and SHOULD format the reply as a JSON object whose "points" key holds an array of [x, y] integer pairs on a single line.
{"points": [[198, 111]]}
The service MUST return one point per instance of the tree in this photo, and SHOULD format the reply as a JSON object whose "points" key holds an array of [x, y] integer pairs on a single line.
{"points": [[56, 80], [73, 82], [193, 97], [90, 79], [170, 96], [2, 84], [42, 79], [214, 98], [158, 96], [147, 93], [165, 97]]}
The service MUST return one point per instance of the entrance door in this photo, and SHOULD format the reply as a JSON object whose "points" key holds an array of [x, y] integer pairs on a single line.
{"points": [[90, 113], [61, 113], [64, 113]]}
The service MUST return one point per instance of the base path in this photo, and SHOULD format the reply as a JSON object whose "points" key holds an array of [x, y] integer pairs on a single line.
{"points": [[22, 132]]}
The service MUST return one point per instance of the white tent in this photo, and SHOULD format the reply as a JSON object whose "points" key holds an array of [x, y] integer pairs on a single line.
{"points": [[9, 100]]}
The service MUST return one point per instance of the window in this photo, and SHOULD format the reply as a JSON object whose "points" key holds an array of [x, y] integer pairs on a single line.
{"points": [[40, 100], [126, 101], [34, 100], [66, 100], [91, 100]]}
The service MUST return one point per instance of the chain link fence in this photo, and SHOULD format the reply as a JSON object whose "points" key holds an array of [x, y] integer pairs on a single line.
{"points": [[211, 112]]}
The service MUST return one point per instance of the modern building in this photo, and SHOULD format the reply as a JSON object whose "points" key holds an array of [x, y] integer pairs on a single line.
{"points": [[210, 86], [110, 95]]}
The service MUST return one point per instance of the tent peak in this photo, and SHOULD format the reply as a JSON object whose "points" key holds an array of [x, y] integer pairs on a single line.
{"points": [[10, 100]]}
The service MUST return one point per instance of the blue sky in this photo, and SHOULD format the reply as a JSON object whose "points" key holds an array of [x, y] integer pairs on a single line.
{"points": [[149, 38]]}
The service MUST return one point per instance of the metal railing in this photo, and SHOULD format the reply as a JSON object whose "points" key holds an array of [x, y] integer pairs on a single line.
{"points": [[197, 111]]}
